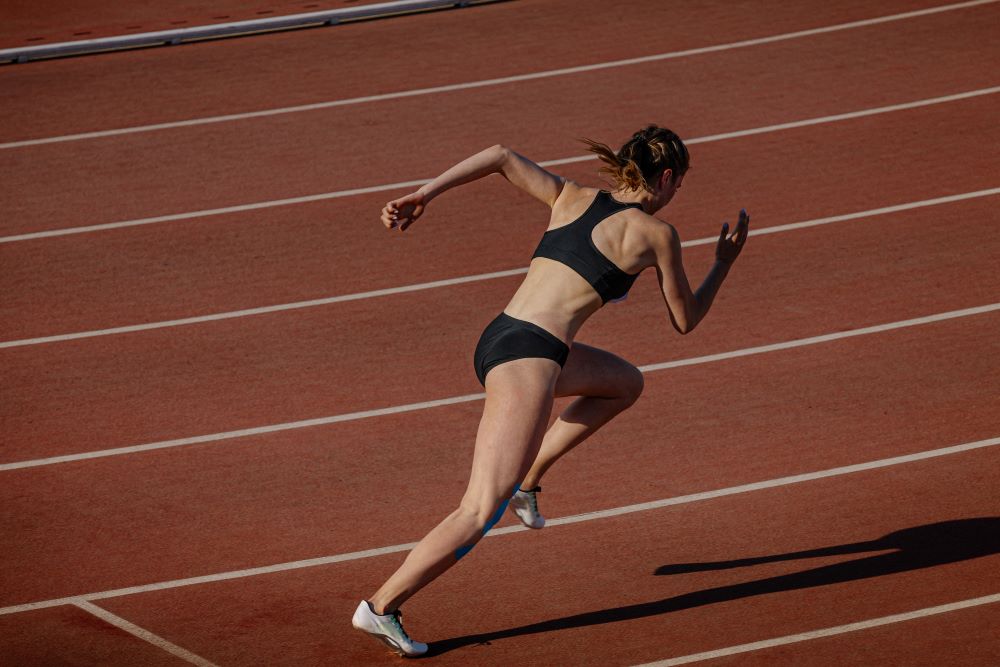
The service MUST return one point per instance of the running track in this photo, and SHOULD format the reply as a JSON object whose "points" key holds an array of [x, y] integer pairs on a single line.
{"points": [[222, 483]]}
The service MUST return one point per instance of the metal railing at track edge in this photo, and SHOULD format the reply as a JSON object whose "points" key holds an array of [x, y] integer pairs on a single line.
{"points": [[218, 30]]}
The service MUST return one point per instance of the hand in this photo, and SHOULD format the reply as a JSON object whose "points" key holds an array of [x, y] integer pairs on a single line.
{"points": [[403, 212], [728, 248]]}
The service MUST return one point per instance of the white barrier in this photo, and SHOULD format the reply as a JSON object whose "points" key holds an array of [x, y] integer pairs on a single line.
{"points": [[196, 33]]}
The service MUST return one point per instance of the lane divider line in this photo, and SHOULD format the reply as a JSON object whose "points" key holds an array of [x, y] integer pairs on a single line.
{"points": [[425, 405], [338, 194], [825, 632], [482, 83], [567, 520], [461, 280], [141, 633]]}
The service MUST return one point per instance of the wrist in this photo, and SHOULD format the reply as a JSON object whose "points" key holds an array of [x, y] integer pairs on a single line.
{"points": [[426, 192]]}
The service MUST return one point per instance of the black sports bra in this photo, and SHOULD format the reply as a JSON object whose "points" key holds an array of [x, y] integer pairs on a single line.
{"points": [[573, 246]]}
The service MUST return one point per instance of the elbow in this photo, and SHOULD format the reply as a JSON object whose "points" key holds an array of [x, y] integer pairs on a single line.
{"points": [[682, 325], [687, 324], [500, 153]]}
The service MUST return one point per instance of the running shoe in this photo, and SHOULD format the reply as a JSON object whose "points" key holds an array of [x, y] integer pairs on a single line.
{"points": [[388, 629], [525, 505]]}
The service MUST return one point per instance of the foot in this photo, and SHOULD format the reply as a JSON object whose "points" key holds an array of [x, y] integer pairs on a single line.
{"points": [[388, 629], [525, 505]]}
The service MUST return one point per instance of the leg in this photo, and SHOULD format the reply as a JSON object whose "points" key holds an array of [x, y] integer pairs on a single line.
{"points": [[518, 402], [606, 385]]}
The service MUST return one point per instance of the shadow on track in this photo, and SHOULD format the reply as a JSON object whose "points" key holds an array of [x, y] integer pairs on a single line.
{"points": [[913, 549]]}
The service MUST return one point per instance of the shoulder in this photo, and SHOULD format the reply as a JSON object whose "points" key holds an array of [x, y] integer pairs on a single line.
{"points": [[573, 192], [573, 199], [660, 236]]}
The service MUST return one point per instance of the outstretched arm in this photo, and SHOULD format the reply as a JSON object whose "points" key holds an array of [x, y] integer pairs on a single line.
{"points": [[688, 308], [522, 172]]}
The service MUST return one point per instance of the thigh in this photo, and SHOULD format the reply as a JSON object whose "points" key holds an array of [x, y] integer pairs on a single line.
{"points": [[591, 371], [518, 403]]}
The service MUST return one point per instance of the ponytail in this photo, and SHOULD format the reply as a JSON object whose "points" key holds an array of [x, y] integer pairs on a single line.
{"points": [[643, 158]]}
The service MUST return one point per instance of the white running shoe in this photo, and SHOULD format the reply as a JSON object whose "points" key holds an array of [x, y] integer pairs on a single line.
{"points": [[388, 629], [525, 505]]}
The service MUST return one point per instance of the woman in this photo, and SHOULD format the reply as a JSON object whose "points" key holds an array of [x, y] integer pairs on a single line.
{"points": [[596, 244]]}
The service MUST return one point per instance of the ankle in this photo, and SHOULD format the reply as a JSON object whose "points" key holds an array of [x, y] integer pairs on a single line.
{"points": [[378, 607]]}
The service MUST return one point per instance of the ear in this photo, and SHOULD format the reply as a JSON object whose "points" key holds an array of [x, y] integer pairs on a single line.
{"points": [[665, 177]]}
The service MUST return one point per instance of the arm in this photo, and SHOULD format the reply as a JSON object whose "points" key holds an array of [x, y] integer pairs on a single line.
{"points": [[522, 172], [688, 308]]}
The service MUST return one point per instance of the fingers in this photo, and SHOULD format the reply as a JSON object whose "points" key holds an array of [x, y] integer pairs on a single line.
{"points": [[391, 215], [743, 228], [725, 230], [403, 212]]}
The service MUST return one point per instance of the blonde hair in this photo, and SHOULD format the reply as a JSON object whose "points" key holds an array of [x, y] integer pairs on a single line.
{"points": [[643, 158]]}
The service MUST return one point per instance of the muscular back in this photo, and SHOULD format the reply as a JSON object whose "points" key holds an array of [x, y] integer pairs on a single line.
{"points": [[558, 298]]}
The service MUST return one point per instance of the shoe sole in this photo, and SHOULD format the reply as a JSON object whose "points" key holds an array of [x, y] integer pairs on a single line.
{"points": [[526, 525], [387, 641]]}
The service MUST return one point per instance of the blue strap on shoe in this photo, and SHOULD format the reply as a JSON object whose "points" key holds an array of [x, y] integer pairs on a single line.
{"points": [[461, 551]]}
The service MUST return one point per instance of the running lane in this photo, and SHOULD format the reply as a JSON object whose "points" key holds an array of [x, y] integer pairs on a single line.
{"points": [[158, 85], [203, 266], [386, 480], [100, 393], [53, 186], [640, 587]]}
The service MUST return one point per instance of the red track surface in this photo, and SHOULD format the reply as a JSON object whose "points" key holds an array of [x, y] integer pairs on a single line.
{"points": [[583, 593]]}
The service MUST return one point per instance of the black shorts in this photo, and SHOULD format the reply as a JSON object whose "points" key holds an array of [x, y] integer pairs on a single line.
{"points": [[507, 338]]}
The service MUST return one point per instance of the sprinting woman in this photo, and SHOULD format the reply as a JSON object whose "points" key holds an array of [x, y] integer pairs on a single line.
{"points": [[596, 245]]}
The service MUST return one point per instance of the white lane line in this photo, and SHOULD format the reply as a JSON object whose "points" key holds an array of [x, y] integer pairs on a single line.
{"points": [[500, 80], [825, 338], [267, 309], [141, 633], [239, 208], [410, 407], [243, 433], [825, 632], [448, 282], [506, 530]]}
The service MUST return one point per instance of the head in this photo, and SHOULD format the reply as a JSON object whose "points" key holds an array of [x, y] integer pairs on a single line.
{"points": [[654, 160]]}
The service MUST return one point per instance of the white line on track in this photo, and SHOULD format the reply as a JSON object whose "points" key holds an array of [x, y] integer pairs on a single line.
{"points": [[411, 407], [501, 80], [141, 633], [448, 282], [239, 208], [577, 518], [825, 632]]}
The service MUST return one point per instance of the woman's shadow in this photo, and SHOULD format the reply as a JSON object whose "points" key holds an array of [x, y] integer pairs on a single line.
{"points": [[912, 549]]}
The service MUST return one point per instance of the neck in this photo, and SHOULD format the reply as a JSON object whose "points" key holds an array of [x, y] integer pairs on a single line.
{"points": [[642, 197]]}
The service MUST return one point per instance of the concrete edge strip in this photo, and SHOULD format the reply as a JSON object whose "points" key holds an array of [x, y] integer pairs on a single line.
{"points": [[337, 194], [411, 407], [141, 633], [496, 81], [577, 518], [215, 30], [461, 280], [825, 632]]}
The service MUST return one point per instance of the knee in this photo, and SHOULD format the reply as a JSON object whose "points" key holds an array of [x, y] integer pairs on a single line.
{"points": [[485, 512], [632, 385]]}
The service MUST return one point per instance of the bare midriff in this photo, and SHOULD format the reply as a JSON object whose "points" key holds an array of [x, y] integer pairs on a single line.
{"points": [[555, 297]]}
